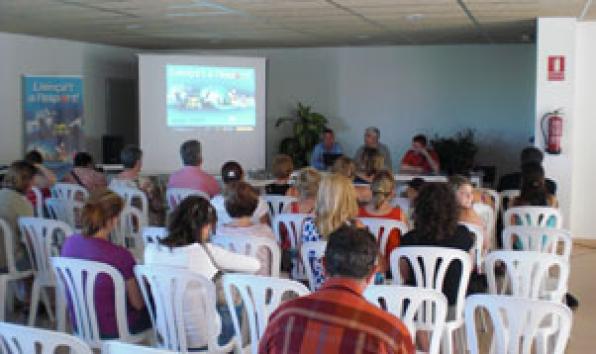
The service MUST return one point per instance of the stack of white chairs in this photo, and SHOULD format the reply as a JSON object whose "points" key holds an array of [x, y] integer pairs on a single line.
{"points": [[381, 228], [429, 266], [164, 290], [9, 278], [533, 216], [250, 246], [44, 238], [17, 339], [292, 225], [540, 239], [77, 279], [421, 310], [277, 203], [176, 195], [260, 297]]}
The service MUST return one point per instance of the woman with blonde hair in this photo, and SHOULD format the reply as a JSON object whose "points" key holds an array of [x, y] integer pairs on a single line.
{"points": [[307, 185], [336, 205], [372, 162]]}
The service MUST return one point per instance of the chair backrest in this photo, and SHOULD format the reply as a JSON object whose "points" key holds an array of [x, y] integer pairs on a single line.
{"points": [[8, 240], [152, 234], [527, 274], [260, 296], [517, 324], [382, 227], [290, 225], [251, 245], [116, 347], [38, 207], [504, 198], [478, 243], [43, 238], [277, 203], [133, 197], [533, 216], [488, 215], [175, 195], [430, 265], [66, 210], [17, 339], [69, 191], [402, 203], [494, 195], [78, 278], [164, 289], [312, 253], [540, 239], [419, 309], [128, 231]]}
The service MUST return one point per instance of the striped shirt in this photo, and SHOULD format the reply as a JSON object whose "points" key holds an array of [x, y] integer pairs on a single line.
{"points": [[334, 319]]}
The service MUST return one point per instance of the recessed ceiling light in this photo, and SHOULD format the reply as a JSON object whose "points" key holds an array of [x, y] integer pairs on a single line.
{"points": [[363, 36], [133, 26], [415, 17]]}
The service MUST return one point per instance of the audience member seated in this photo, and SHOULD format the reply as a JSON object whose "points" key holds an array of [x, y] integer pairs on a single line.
{"points": [[412, 190], [383, 191], [241, 201], [131, 157], [371, 140], [99, 217], [282, 169], [187, 246], [464, 192], [44, 178], [232, 172], [420, 158], [337, 318], [307, 186], [529, 155], [344, 166], [18, 180], [436, 224], [326, 146], [336, 205], [372, 162], [191, 175], [84, 173], [533, 189]]}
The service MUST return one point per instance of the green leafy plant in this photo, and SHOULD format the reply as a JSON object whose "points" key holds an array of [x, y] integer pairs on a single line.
{"points": [[456, 153], [307, 127]]}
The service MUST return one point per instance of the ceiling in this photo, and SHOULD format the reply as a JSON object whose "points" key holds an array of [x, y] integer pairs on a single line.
{"points": [[186, 24]]}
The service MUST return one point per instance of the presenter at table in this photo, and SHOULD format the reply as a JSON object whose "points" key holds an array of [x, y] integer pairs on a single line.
{"points": [[420, 158], [326, 146]]}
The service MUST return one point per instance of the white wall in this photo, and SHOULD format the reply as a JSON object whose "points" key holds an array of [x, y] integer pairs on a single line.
{"points": [[584, 127], [407, 90], [20, 54]]}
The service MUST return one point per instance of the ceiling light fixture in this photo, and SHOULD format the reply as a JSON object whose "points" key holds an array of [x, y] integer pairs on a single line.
{"points": [[415, 17]]}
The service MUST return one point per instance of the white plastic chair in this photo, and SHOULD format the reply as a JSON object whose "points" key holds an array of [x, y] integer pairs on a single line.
{"points": [[176, 195], [164, 289], [128, 231], [9, 278], [494, 195], [505, 197], [478, 244], [528, 274], [517, 324], [487, 214], [312, 253], [382, 227], [277, 203], [115, 347], [250, 246], [152, 234], [38, 207], [133, 197], [419, 309], [540, 239], [17, 339], [293, 225], [43, 238], [77, 279], [533, 216], [260, 296], [69, 191], [68, 211], [430, 265], [402, 203]]}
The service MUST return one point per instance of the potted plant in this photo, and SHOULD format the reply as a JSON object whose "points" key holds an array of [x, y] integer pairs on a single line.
{"points": [[456, 153], [307, 127]]}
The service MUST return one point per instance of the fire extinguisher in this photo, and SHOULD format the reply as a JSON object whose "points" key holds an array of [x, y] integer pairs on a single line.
{"points": [[552, 130]]}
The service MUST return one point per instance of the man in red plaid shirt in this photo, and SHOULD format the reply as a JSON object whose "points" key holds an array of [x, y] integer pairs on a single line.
{"points": [[337, 318]]}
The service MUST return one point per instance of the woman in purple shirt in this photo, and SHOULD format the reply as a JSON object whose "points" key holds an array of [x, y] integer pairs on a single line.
{"points": [[99, 218]]}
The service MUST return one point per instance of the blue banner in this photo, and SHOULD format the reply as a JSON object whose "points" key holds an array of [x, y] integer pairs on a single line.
{"points": [[53, 115]]}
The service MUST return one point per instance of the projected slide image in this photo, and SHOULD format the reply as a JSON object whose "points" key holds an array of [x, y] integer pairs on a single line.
{"points": [[210, 96]]}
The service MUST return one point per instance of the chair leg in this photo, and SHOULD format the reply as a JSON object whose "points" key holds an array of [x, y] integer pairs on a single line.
{"points": [[34, 303], [447, 342], [45, 298], [60, 310], [3, 291]]}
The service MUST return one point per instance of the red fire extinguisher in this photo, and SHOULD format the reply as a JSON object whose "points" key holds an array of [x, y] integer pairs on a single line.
{"points": [[552, 130]]}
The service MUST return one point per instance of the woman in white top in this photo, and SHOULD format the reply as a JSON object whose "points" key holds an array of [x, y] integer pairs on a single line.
{"points": [[187, 246], [241, 201]]}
